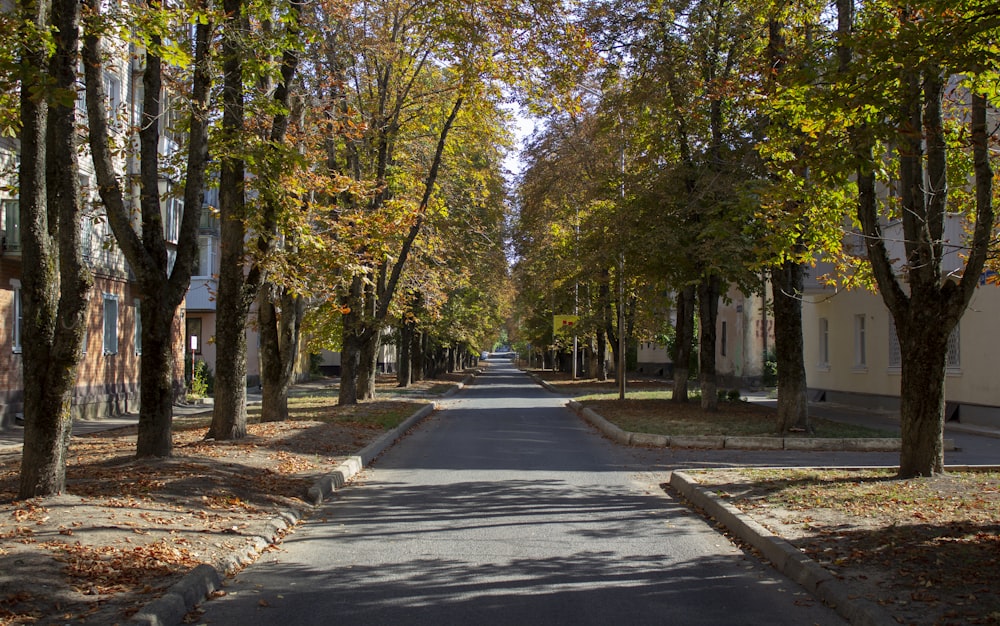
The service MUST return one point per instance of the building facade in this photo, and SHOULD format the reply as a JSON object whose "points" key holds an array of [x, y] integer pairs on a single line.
{"points": [[852, 352], [108, 379], [744, 332]]}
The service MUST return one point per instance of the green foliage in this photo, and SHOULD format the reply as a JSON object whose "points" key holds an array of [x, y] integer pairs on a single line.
{"points": [[202, 380], [770, 374], [315, 361]]}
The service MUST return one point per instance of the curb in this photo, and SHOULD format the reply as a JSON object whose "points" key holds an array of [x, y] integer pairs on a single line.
{"points": [[328, 484], [204, 579], [722, 442], [785, 557]]}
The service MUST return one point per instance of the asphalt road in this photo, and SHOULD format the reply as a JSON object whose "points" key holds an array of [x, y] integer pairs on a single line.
{"points": [[505, 508]]}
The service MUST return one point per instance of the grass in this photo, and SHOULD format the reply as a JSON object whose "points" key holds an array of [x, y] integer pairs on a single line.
{"points": [[390, 408], [648, 408], [660, 416]]}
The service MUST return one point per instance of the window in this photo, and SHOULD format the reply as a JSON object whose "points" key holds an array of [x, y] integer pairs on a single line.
{"points": [[110, 324], [860, 351], [137, 340], [954, 362], [113, 92], [895, 354], [824, 342], [725, 337], [174, 208], [954, 357], [17, 316], [205, 262], [11, 225], [87, 237]]}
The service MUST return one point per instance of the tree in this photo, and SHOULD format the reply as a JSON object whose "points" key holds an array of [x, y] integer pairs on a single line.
{"points": [[55, 281], [239, 287], [697, 119], [404, 60], [163, 285], [897, 69], [784, 241]]}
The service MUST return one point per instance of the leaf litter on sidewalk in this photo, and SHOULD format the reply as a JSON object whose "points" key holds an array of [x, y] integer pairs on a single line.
{"points": [[127, 529]]}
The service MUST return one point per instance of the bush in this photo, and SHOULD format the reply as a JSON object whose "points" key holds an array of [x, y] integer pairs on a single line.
{"points": [[202, 380], [315, 361], [734, 395], [770, 376]]}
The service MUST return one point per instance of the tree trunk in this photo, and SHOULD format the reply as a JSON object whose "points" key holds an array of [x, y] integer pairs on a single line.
{"points": [[279, 348], [708, 313], [603, 297], [229, 414], [924, 349], [368, 365], [683, 338], [405, 369], [156, 380], [793, 399], [417, 357], [350, 364], [55, 281]]}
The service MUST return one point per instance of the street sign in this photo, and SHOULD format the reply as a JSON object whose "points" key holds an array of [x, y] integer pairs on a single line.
{"points": [[563, 324]]}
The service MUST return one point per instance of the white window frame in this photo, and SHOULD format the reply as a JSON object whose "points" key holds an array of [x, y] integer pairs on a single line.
{"points": [[824, 344], [17, 316], [110, 317], [11, 216], [860, 342], [206, 256], [173, 212], [113, 93]]}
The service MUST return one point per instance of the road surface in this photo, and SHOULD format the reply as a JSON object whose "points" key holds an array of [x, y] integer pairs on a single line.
{"points": [[505, 508]]}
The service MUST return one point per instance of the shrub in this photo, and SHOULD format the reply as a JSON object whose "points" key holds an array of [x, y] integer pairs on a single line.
{"points": [[770, 375], [202, 380]]}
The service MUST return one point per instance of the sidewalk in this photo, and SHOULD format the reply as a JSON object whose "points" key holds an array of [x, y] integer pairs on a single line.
{"points": [[12, 438], [850, 414]]}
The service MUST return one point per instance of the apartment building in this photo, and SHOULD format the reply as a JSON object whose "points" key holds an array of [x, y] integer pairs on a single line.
{"points": [[852, 353], [108, 382]]}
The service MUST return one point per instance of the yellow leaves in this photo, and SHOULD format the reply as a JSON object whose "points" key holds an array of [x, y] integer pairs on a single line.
{"points": [[102, 570]]}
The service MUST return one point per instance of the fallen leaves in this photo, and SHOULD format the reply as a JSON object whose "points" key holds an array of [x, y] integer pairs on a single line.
{"points": [[912, 545], [129, 528], [108, 569]]}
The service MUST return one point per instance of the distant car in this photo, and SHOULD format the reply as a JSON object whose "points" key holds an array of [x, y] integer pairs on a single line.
{"points": [[485, 355]]}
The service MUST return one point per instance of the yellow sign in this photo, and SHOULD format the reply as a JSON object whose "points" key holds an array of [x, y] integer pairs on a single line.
{"points": [[564, 324]]}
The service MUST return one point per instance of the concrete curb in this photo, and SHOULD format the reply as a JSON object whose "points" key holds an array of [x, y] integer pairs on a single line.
{"points": [[785, 557], [327, 485], [721, 442], [462, 385], [204, 579]]}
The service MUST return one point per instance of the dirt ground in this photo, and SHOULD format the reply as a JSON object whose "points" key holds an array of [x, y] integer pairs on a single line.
{"points": [[128, 529], [927, 550]]}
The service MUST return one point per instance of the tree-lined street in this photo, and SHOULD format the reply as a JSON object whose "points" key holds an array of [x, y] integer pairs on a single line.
{"points": [[505, 508]]}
